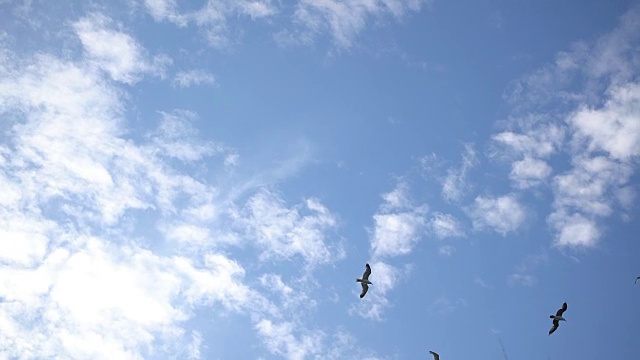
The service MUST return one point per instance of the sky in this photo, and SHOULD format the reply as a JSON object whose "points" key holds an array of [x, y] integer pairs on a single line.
{"points": [[206, 179]]}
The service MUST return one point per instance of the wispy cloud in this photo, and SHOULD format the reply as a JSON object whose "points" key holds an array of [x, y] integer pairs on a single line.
{"points": [[184, 79], [116, 52], [284, 232], [82, 273], [454, 184], [344, 20], [213, 17], [523, 274], [444, 305], [446, 250]]}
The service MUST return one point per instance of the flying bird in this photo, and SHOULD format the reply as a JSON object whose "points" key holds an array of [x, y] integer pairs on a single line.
{"points": [[558, 317], [638, 278], [365, 281], [435, 355]]}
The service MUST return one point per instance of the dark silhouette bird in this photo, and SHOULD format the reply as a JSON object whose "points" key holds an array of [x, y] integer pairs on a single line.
{"points": [[638, 278], [558, 317], [435, 355], [365, 281]]}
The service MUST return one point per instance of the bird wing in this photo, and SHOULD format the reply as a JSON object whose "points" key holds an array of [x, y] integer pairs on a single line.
{"points": [[562, 310], [556, 323], [638, 278], [365, 288], [435, 355], [367, 272]]}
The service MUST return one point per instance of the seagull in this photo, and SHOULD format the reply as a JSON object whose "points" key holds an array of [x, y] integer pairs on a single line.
{"points": [[558, 317], [435, 355], [365, 281], [638, 278]]}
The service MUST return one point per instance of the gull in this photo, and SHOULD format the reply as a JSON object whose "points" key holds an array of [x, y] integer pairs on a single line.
{"points": [[558, 317], [435, 355], [365, 281], [638, 278]]}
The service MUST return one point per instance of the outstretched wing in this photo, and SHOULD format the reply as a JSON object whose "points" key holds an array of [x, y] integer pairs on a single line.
{"points": [[562, 310], [556, 323], [638, 278], [367, 272], [365, 288], [435, 355]]}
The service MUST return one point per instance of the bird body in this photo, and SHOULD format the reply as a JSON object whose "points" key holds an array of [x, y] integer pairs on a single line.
{"points": [[558, 317], [365, 281]]}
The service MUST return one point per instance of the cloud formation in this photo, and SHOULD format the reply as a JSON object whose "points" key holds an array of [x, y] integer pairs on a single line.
{"points": [[502, 214]]}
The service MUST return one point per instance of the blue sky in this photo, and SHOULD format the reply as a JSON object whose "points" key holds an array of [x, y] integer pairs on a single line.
{"points": [[206, 179]]}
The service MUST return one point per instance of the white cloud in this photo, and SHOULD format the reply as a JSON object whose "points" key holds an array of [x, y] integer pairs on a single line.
{"points": [[480, 281], [398, 225], [395, 234], [398, 198], [189, 78], [614, 128], [283, 232], [574, 230], [383, 278], [102, 301], [539, 139], [446, 250], [114, 51], [503, 214], [212, 17], [445, 225], [595, 95], [344, 20], [521, 279], [177, 137], [455, 184], [529, 172], [523, 272], [78, 276], [281, 340]]}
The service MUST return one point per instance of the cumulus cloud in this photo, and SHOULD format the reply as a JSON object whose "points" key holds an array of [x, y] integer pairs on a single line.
{"points": [[502, 214], [398, 225], [595, 95], [373, 305], [445, 225]]}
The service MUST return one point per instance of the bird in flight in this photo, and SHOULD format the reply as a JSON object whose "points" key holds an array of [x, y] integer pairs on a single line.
{"points": [[638, 278], [365, 281], [558, 317], [435, 355]]}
